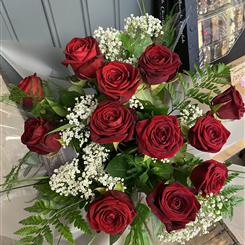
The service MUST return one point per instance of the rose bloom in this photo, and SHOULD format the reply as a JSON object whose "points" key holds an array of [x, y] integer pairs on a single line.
{"points": [[159, 137], [209, 177], [158, 64], [118, 80], [111, 213], [84, 56], [230, 103], [33, 88], [112, 122], [36, 136], [174, 204], [208, 134]]}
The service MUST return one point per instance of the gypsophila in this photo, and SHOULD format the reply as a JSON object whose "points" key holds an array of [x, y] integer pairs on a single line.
{"points": [[68, 180], [146, 25], [109, 43], [77, 117], [83, 108], [189, 115], [165, 160], [207, 216], [134, 103]]}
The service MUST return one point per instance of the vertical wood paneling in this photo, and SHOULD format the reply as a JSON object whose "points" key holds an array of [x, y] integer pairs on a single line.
{"points": [[5, 34], [128, 7], [29, 21], [51, 23], [68, 19], [55, 22], [101, 13], [7, 23]]}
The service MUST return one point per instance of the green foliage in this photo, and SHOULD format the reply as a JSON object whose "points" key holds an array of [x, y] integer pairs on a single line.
{"points": [[231, 177], [52, 210], [231, 189], [57, 108], [204, 84], [231, 199], [16, 94], [29, 160], [139, 232], [169, 30], [134, 46]]}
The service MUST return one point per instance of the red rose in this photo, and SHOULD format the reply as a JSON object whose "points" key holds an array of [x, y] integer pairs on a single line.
{"points": [[209, 176], [159, 137], [111, 213], [158, 64], [84, 56], [208, 134], [118, 80], [36, 136], [112, 122], [33, 88], [174, 204], [230, 104]]}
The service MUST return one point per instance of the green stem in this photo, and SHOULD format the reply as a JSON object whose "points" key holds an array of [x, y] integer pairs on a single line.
{"points": [[59, 240], [33, 179], [92, 240], [143, 6], [149, 232], [19, 187]]}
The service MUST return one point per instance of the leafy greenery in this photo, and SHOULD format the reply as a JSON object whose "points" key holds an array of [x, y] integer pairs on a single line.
{"points": [[29, 160], [231, 199], [16, 94], [134, 46], [139, 233], [51, 210], [204, 84]]}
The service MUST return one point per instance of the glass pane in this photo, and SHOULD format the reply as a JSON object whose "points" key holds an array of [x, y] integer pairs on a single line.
{"points": [[220, 22]]}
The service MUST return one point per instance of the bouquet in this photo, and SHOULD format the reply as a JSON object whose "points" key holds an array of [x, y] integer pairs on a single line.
{"points": [[132, 119]]}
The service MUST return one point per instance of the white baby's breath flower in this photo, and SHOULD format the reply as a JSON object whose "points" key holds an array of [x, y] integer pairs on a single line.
{"points": [[70, 180]]}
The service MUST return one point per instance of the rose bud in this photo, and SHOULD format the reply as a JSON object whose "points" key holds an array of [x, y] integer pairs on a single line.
{"points": [[84, 56], [230, 104], [33, 88], [208, 134], [118, 80], [174, 204], [36, 136], [158, 64], [159, 137], [111, 213], [209, 177], [112, 122]]}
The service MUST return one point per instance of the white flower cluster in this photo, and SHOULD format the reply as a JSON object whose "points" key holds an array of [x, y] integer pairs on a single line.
{"points": [[189, 115], [209, 214], [69, 180], [145, 25], [134, 103], [165, 160], [109, 39], [77, 117], [83, 108], [110, 44]]}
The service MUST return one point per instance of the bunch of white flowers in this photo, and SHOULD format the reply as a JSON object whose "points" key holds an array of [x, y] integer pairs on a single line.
{"points": [[77, 118], [145, 25], [189, 115], [69, 180], [110, 44], [209, 214], [134, 103]]}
